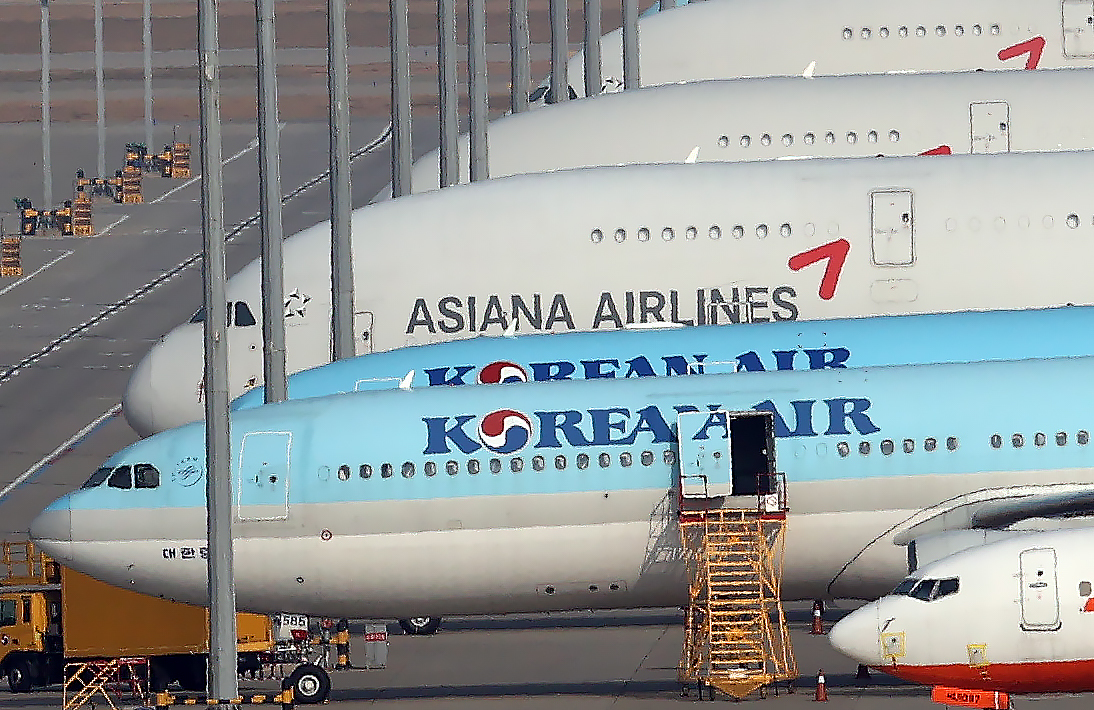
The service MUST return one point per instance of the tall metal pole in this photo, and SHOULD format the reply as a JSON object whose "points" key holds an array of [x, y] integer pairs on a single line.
{"points": [[447, 92], [520, 83], [560, 86], [593, 67], [47, 167], [341, 255], [269, 201], [401, 157], [477, 90], [147, 47], [223, 683], [631, 79], [100, 97]]}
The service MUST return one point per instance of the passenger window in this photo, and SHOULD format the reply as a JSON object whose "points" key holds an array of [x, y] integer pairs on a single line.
{"points": [[909, 446], [922, 591], [7, 613], [996, 441], [951, 443], [1061, 439], [243, 314], [669, 457], [582, 461], [97, 478], [1039, 439], [385, 470], [864, 448], [946, 587], [516, 465], [605, 460], [647, 458], [843, 449], [537, 463], [625, 459], [495, 465], [930, 444], [560, 462], [408, 469], [343, 474], [1083, 437], [121, 478], [887, 447], [145, 475], [473, 466], [1017, 441], [365, 471], [430, 468], [451, 468]]}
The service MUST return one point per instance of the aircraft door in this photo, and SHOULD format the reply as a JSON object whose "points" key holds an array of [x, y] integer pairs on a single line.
{"points": [[704, 454], [752, 453], [989, 127], [892, 225], [262, 478], [362, 332], [1040, 597], [1078, 18]]}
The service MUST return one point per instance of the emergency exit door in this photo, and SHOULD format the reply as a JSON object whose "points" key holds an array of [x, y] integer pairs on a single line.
{"points": [[892, 226], [262, 478], [1078, 20], [1039, 595], [989, 127]]}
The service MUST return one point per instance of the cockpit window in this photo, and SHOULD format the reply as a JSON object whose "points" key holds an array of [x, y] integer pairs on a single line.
{"points": [[97, 478], [198, 317], [121, 478], [243, 314], [145, 475], [922, 591], [904, 587], [946, 587]]}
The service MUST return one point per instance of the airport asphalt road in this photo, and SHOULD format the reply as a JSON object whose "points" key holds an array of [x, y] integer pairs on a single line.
{"points": [[87, 309], [623, 659]]}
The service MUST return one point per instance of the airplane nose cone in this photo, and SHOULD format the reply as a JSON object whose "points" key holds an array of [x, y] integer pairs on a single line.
{"points": [[856, 635], [163, 392], [52, 530]]}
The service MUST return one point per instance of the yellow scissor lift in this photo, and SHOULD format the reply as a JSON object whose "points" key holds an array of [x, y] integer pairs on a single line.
{"points": [[736, 639]]}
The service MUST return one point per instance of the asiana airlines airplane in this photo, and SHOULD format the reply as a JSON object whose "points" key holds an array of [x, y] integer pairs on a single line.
{"points": [[760, 38], [705, 244], [566, 495]]}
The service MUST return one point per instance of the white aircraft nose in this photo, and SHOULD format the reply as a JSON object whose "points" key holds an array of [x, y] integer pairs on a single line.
{"points": [[52, 530], [856, 635], [164, 391]]}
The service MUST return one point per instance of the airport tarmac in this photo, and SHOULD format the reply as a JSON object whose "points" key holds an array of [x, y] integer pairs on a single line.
{"points": [[584, 660]]}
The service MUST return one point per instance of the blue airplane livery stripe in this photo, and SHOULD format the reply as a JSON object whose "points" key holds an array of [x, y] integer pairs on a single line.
{"points": [[815, 414], [798, 345]]}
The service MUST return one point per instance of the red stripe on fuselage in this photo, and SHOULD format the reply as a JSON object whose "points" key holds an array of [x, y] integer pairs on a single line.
{"points": [[1047, 677]]}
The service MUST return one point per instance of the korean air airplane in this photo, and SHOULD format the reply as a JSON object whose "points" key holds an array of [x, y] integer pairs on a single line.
{"points": [[756, 38], [780, 117], [796, 345], [565, 495], [706, 244]]}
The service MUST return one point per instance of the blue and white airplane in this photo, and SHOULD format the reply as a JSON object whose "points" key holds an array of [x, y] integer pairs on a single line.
{"points": [[792, 345], [564, 495]]}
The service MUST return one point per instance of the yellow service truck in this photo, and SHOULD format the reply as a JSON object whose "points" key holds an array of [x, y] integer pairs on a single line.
{"points": [[51, 616]]}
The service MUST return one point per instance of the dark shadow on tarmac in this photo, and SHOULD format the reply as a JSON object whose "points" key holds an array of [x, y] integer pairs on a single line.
{"points": [[596, 620]]}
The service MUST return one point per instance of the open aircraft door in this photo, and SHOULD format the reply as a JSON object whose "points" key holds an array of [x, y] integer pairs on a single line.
{"points": [[989, 126], [726, 453], [1078, 20], [262, 478], [1040, 597]]}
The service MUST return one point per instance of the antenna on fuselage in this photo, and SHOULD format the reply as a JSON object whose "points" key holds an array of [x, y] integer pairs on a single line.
{"points": [[808, 73], [404, 384], [511, 331], [693, 155]]}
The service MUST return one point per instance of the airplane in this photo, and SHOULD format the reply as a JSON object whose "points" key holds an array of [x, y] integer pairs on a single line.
{"points": [[548, 496], [1015, 615], [782, 117], [704, 244], [761, 38], [790, 345]]}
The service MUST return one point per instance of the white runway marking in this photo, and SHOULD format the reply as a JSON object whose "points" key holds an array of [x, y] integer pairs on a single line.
{"points": [[31, 275], [115, 223], [250, 146]]}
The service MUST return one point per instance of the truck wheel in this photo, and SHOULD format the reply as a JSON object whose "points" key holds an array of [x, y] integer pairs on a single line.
{"points": [[421, 625], [310, 684], [19, 680]]}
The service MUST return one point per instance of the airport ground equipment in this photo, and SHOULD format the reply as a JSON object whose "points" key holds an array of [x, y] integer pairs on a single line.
{"points": [[736, 638], [81, 215], [99, 187], [51, 616], [11, 264], [31, 219]]}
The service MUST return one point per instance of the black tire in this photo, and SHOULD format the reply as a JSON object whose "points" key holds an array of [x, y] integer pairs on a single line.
{"points": [[19, 676], [421, 625], [310, 684]]}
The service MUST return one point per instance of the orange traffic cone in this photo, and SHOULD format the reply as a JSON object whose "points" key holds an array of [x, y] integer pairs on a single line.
{"points": [[818, 622], [821, 696]]}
